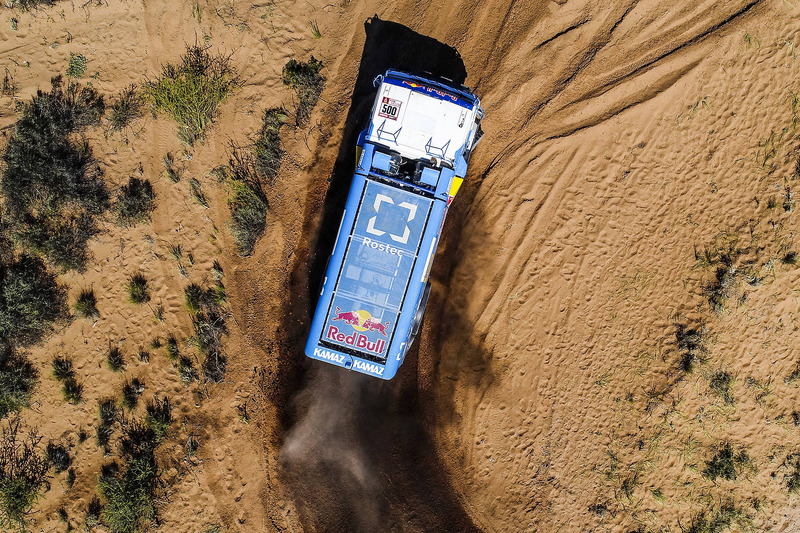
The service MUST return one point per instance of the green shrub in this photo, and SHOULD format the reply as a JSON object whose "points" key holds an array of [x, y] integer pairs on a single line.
{"points": [[192, 91], [23, 474], [86, 305], [137, 290], [62, 368], [267, 147], [114, 359], [51, 183], [77, 65], [197, 193], [108, 410], [92, 517], [726, 463], [30, 300], [130, 393], [28, 5], [72, 390], [129, 495], [720, 519], [186, 370], [172, 348], [691, 345], [159, 417], [58, 455], [18, 379], [172, 172], [247, 203], [135, 203], [103, 435], [307, 82], [720, 384], [128, 107]]}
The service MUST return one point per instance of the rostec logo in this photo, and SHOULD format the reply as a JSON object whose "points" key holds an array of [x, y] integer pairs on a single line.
{"points": [[388, 248]]}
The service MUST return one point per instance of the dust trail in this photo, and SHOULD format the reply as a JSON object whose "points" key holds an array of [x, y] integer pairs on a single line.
{"points": [[325, 445]]}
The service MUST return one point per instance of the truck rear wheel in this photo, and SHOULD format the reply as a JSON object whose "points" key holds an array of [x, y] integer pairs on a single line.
{"points": [[415, 325]]}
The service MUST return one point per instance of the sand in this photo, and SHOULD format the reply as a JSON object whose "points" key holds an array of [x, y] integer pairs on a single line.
{"points": [[545, 393]]}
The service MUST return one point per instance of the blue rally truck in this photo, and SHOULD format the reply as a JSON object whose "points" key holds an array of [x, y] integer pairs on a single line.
{"points": [[411, 161]]}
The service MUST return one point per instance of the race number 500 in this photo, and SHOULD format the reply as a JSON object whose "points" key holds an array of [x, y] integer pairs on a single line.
{"points": [[389, 108]]}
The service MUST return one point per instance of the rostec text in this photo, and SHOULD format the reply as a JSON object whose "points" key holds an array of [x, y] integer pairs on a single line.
{"points": [[388, 248]]}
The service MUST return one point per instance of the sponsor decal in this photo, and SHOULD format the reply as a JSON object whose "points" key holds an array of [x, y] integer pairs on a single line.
{"points": [[430, 90], [356, 340], [389, 108], [330, 356], [388, 248], [368, 367], [361, 321]]}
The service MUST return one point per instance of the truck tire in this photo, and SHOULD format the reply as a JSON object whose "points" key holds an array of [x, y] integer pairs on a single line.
{"points": [[415, 325]]}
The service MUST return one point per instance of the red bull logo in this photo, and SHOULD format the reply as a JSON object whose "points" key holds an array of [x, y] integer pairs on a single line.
{"points": [[361, 321]]}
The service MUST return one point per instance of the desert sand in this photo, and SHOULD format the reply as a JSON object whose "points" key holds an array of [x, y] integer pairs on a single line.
{"points": [[546, 392]]}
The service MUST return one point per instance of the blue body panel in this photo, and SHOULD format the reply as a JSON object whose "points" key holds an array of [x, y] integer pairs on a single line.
{"points": [[379, 267]]}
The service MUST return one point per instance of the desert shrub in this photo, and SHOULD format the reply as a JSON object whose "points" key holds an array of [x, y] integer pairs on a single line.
{"points": [[719, 519], [107, 410], [186, 370], [114, 359], [77, 65], [193, 297], [72, 476], [247, 203], [172, 172], [18, 378], [103, 435], [129, 495], [197, 193], [158, 417], [130, 393], [172, 348], [23, 474], [137, 290], [86, 305], [216, 271], [92, 517], [72, 390], [307, 82], [723, 287], [62, 368], [691, 345], [58, 456], [31, 300], [726, 463], [208, 322], [135, 203], [192, 91], [51, 183], [267, 146], [144, 356], [27, 5], [720, 384], [128, 106]]}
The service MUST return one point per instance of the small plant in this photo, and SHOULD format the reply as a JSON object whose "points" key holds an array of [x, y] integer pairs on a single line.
{"points": [[158, 313], [267, 147], [307, 82], [719, 520], [791, 258], [186, 370], [216, 271], [129, 106], [62, 368], [92, 517], [137, 290], [720, 384], [130, 393], [23, 474], [192, 91], [58, 455], [247, 203], [194, 296], [197, 193], [71, 477], [159, 417], [18, 379], [691, 345], [241, 412], [108, 410], [726, 463], [103, 435], [172, 172], [793, 477], [72, 390], [315, 29], [86, 305], [144, 356], [135, 203], [172, 348], [114, 359], [192, 445], [77, 65]]}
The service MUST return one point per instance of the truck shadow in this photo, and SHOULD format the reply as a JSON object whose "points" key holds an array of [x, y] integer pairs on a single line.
{"points": [[357, 454]]}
